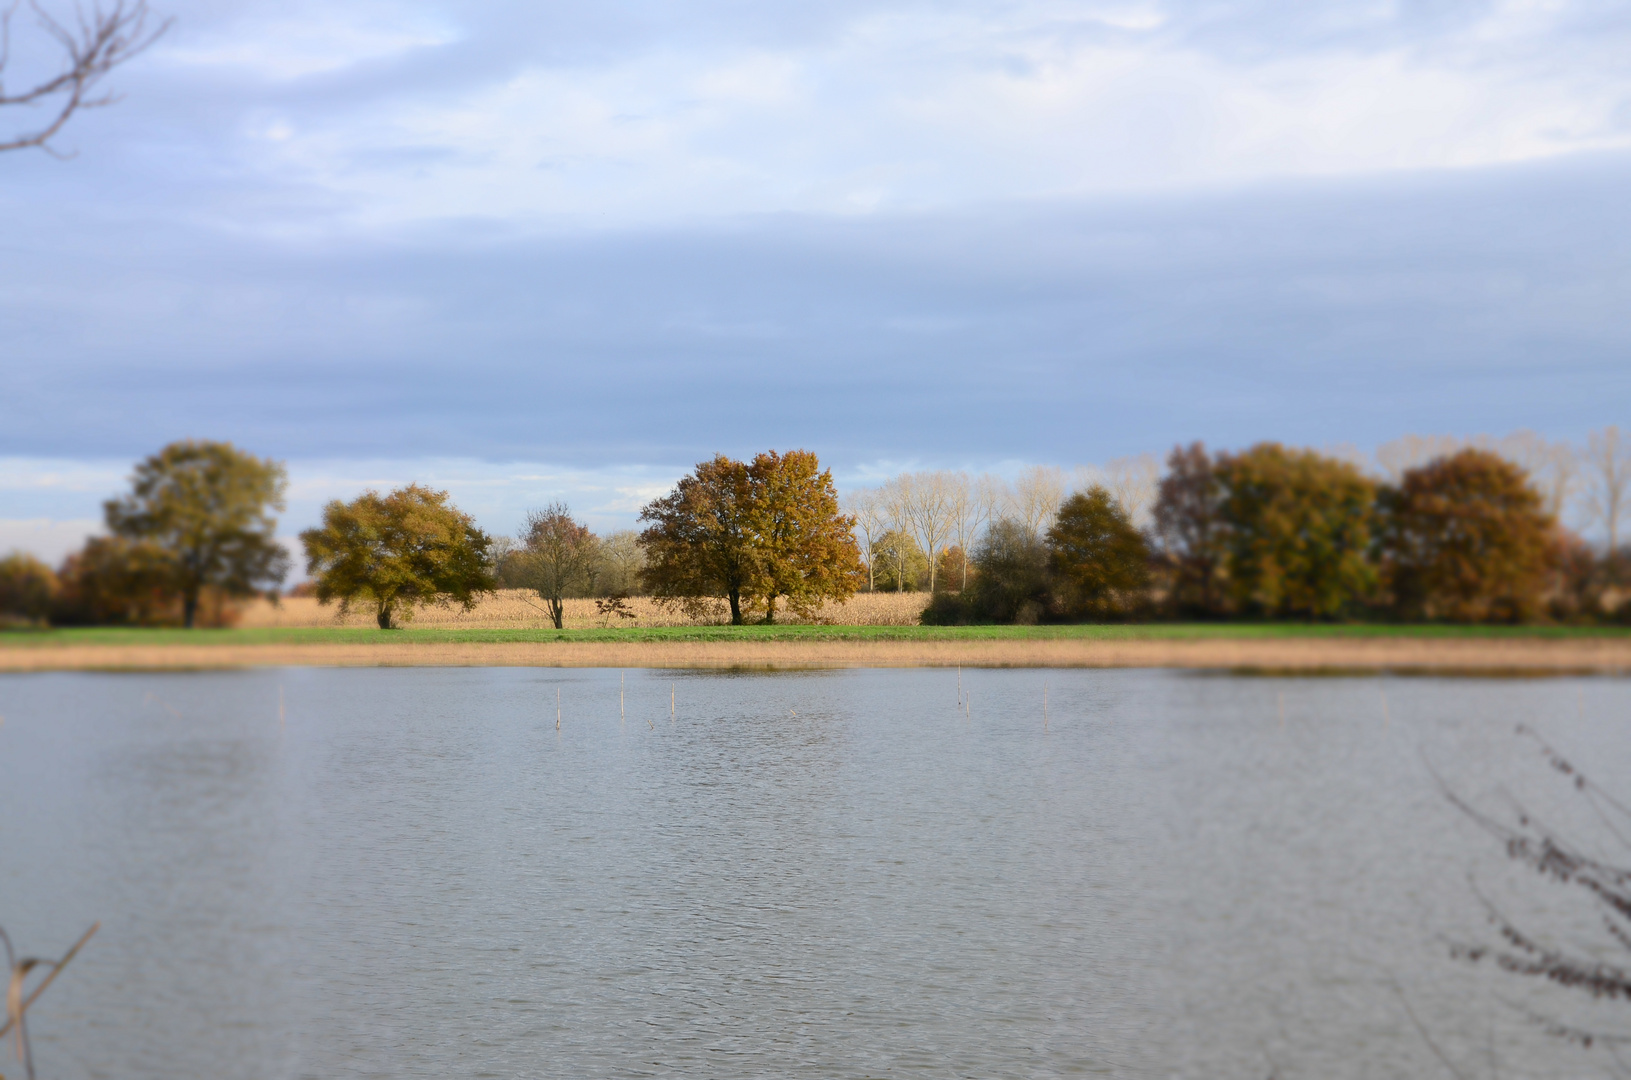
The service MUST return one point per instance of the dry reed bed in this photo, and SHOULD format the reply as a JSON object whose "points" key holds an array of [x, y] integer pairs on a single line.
{"points": [[519, 609], [1456, 655]]}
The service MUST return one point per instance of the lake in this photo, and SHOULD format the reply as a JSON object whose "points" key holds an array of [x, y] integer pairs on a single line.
{"points": [[409, 872]]}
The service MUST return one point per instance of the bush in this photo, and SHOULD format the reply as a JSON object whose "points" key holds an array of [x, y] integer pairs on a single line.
{"points": [[114, 581]]}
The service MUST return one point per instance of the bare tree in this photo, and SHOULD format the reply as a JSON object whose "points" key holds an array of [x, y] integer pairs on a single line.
{"points": [[621, 560], [93, 45], [926, 502], [1037, 493], [1132, 482], [1408, 451], [1553, 467], [1608, 467], [866, 506]]}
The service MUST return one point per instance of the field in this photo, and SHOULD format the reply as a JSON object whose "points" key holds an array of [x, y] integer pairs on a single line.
{"points": [[520, 609]]}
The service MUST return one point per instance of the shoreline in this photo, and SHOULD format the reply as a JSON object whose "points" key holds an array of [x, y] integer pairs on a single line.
{"points": [[1445, 655]]}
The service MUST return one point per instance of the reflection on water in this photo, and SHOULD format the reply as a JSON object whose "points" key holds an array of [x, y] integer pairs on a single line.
{"points": [[819, 874]]}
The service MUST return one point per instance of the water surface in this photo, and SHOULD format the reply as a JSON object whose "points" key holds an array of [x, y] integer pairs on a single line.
{"points": [[834, 874]]}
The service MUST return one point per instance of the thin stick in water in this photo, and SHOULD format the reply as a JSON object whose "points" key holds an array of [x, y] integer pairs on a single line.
{"points": [[557, 708]]}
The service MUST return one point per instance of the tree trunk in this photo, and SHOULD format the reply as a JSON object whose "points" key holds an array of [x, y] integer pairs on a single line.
{"points": [[735, 597], [557, 611], [382, 615], [189, 607], [770, 610]]}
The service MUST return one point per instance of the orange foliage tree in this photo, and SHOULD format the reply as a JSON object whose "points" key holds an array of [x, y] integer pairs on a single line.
{"points": [[1465, 538]]}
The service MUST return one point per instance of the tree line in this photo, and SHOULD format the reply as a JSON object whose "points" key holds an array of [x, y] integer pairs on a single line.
{"points": [[1461, 532]]}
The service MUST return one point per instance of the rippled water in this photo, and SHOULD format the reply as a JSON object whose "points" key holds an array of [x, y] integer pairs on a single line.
{"points": [[836, 874]]}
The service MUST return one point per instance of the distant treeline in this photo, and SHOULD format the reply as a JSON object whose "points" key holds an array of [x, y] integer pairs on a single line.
{"points": [[1452, 531]]}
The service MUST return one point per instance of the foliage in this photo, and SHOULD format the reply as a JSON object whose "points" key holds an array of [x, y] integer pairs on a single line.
{"points": [[1298, 532], [751, 534], [898, 563], [207, 507], [28, 588], [113, 581], [952, 571], [1012, 582], [806, 553], [1190, 529], [558, 558], [398, 551], [1097, 556], [700, 544], [1465, 539]]}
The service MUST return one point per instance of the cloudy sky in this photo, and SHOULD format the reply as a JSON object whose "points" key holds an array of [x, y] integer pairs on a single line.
{"points": [[534, 250]]}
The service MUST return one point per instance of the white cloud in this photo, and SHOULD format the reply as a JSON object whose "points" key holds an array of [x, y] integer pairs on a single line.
{"points": [[916, 108]]}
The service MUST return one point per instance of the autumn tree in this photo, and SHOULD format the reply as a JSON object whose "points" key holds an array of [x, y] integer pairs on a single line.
{"points": [[208, 507], [557, 558], [1190, 529], [1297, 531], [1097, 553], [396, 552], [1466, 538], [807, 552], [27, 588], [700, 545]]}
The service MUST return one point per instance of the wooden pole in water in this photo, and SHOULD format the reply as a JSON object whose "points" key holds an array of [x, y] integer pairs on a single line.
{"points": [[959, 684], [557, 708]]}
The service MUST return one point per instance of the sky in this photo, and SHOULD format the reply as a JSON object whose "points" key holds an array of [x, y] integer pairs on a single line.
{"points": [[530, 251]]}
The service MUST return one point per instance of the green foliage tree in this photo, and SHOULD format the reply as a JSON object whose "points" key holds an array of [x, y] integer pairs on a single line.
{"points": [[898, 562], [208, 507], [806, 545], [398, 551], [558, 558], [1190, 528], [1465, 538], [28, 588], [1097, 554], [1298, 531], [1011, 583]]}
